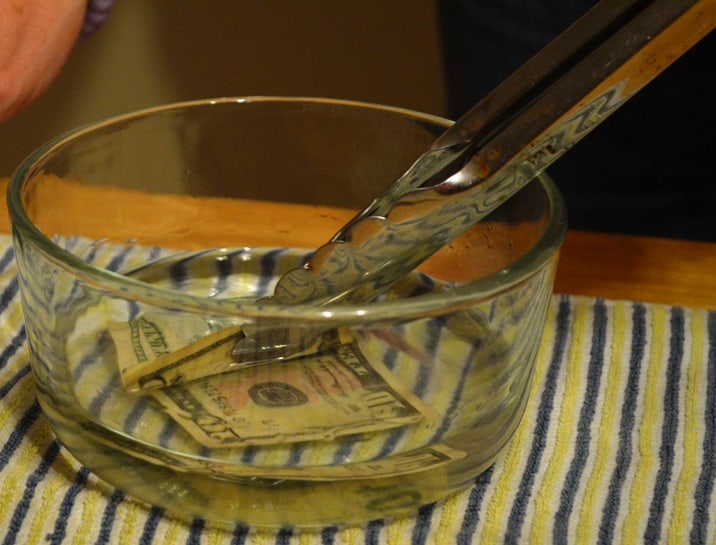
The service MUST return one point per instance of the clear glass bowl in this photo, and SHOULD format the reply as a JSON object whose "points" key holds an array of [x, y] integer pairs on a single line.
{"points": [[144, 245]]}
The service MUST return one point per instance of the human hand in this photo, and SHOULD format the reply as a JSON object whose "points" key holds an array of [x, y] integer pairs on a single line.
{"points": [[36, 37]]}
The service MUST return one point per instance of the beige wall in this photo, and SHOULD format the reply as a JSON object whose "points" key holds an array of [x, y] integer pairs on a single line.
{"points": [[159, 51]]}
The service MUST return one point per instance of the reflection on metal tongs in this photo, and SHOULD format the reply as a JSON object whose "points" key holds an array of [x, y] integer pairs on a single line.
{"points": [[501, 144]]}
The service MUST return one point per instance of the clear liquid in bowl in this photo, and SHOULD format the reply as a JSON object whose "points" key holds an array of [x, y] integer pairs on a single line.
{"points": [[380, 419]]}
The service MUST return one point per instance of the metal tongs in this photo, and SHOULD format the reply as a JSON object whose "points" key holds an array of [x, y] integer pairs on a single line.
{"points": [[500, 145]]}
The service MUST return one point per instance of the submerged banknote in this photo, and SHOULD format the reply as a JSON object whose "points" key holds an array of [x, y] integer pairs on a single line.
{"points": [[315, 397], [160, 349]]}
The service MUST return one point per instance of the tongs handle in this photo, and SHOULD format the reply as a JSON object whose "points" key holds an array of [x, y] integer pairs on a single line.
{"points": [[610, 53], [584, 74]]}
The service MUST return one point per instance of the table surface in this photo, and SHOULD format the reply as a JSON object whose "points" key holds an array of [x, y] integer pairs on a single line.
{"points": [[653, 270]]}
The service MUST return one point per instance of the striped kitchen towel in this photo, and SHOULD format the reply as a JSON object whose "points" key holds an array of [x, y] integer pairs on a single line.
{"points": [[618, 445]]}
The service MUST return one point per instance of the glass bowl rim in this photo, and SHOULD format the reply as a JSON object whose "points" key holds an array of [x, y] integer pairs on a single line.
{"points": [[428, 304]]}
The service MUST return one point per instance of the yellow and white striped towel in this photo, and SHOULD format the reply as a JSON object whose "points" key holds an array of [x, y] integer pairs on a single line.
{"points": [[618, 445]]}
